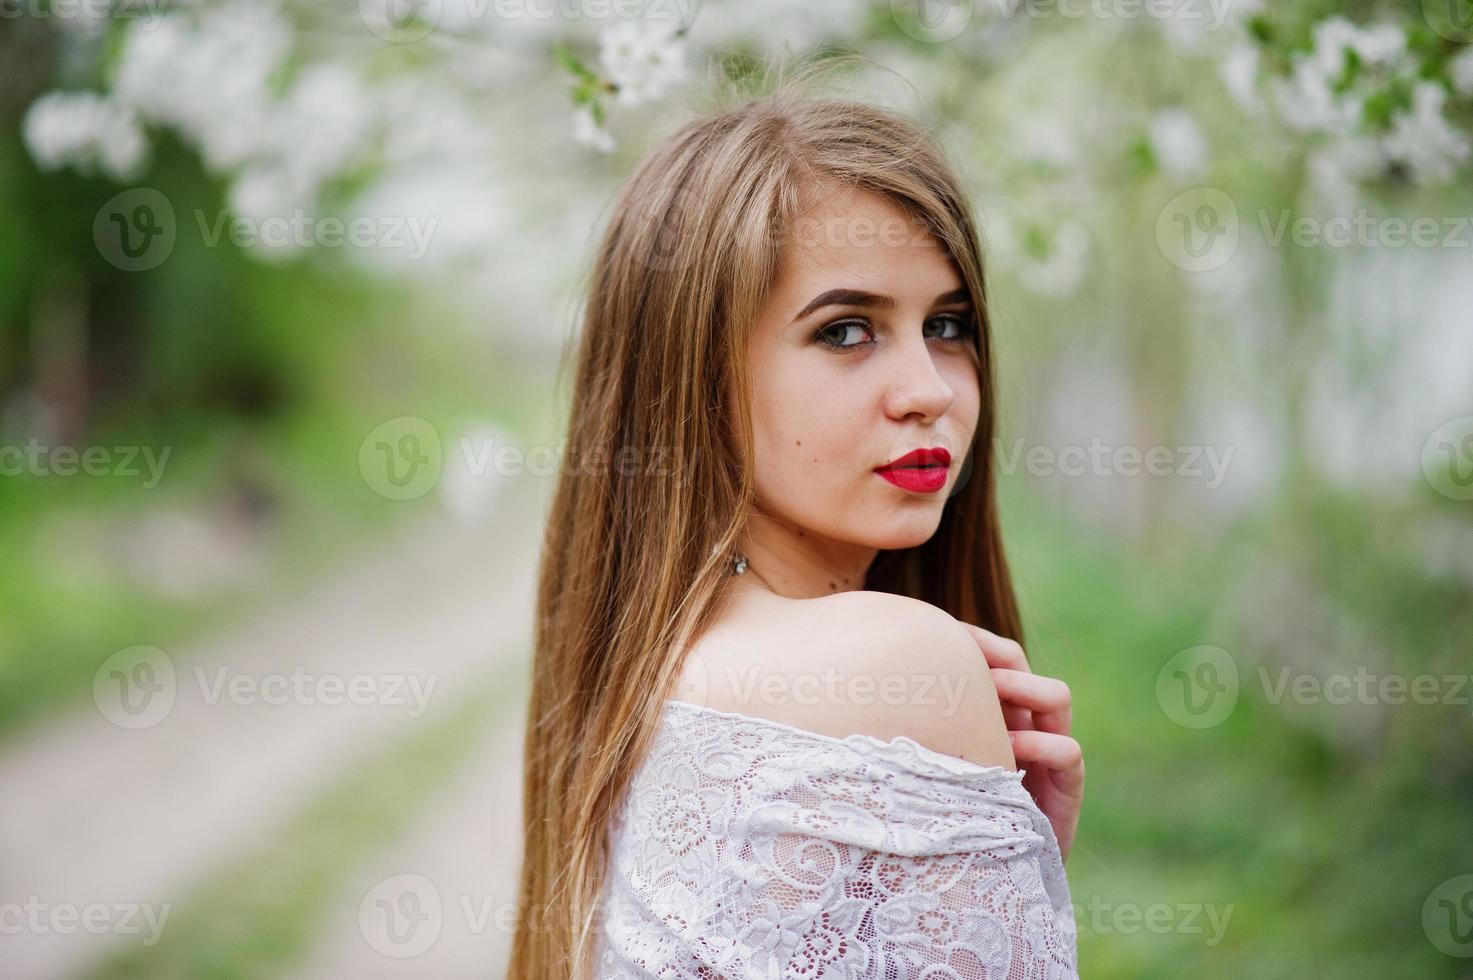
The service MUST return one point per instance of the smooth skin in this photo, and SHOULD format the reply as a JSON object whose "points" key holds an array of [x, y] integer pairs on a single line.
{"points": [[837, 391]]}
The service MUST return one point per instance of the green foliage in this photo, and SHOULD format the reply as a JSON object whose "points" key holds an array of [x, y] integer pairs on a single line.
{"points": [[1325, 853]]}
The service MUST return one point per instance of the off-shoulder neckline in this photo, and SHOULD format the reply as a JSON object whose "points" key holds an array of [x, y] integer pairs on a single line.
{"points": [[952, 765]]}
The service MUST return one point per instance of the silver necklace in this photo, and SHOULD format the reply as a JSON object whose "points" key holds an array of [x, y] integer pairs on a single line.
{"points": [[738, 564]]}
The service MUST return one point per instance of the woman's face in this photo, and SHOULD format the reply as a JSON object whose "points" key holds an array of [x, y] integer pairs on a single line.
{"points": [[862, 353]]}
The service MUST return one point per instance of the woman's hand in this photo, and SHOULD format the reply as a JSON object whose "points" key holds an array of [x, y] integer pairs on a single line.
{"points": [[1036, 710]]}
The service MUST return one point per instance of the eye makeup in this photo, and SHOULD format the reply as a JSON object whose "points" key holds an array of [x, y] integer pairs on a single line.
{"points": [[833, 334]]}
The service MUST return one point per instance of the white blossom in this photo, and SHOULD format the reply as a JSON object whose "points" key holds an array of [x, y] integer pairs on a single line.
{"points": [[1379, 44], [1052, 267], [1178, 144], [589, 133], [86, 130], [260, 193], [463, 204], [1308, 98], [269, 200], [644, 58], [424, 121], [473, 478], [1422, 140], [1045, 139], [322, 122], [89, 19], [211, 75], [208, 78], [1307, 102], [1333, 36], [1240, 75], [1337, 169], [1460, 71], [1186, 24]]}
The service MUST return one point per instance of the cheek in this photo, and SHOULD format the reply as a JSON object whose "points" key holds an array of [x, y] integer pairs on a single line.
{"points": [[963, 379], [806, 433]]}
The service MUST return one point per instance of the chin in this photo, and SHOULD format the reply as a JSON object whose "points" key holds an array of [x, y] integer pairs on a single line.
{"points": [[896, 532]]}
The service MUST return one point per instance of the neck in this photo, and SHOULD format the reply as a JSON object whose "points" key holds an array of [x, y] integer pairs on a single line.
{"points": [[795, 563]]}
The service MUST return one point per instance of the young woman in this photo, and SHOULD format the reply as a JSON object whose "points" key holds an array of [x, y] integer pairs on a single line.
{"points": [[778, 699]]}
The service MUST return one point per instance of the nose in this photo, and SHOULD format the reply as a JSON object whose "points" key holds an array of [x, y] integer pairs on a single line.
{"points": [[916, 388]]}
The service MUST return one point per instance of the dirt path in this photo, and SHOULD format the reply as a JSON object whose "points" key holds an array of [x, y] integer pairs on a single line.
{"points": [[102, 826], [442, 904]]}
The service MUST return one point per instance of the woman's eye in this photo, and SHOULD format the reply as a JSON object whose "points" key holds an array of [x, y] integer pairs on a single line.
{"points": [[844, 335], [952, 327]]}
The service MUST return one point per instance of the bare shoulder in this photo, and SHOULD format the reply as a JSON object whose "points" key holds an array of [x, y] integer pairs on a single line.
{"points": [[861, 662]]}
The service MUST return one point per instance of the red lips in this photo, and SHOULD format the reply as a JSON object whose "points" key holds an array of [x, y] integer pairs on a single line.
{"points": [[920, 470]]}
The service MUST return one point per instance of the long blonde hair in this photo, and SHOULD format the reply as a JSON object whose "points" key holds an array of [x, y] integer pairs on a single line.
{"points": [[657, 483]]}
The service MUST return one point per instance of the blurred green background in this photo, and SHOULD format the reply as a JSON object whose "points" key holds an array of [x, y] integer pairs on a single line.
{"points": [[295, 279]]}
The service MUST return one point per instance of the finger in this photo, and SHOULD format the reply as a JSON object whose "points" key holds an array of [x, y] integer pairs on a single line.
{"points": [[1017, 717], [1047, 697], [1059, 753], [1000, 651]]}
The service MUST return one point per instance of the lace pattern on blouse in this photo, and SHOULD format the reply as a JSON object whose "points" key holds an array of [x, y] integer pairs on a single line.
{"points": [[748, 848]]}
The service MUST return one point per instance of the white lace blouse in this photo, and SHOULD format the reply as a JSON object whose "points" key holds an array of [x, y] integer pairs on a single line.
{"points": [[749, 848]]}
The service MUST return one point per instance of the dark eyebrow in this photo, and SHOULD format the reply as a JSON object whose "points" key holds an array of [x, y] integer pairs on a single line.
{"points": [[858, 297]]}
